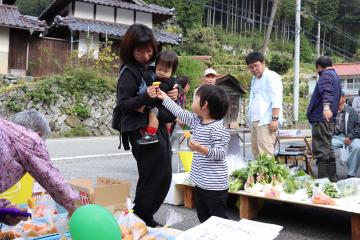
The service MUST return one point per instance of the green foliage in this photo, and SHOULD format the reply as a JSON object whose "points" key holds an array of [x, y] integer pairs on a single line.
{"points": [[280, 63], [79, 82], [200, 41], [192, 68], [306, 51], [81, 110], [106, 63], [15, 104], [189, 13], [42, 91], [33, 7], [80, 131]]}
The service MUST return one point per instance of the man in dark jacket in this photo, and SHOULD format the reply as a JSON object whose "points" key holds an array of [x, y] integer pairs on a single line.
{"points": [[347, 132], [321, 113]]}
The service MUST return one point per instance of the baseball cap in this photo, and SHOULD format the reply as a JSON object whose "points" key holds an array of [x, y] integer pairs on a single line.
{"points": [[209, 71]]}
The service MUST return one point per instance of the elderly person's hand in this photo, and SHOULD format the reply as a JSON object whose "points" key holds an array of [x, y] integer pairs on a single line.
{"points": [[274, 126], [13, 220], [173, 94]]}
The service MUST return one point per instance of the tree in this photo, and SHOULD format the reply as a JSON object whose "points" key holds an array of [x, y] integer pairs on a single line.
{"points": [[33, 8], [189, 13]]}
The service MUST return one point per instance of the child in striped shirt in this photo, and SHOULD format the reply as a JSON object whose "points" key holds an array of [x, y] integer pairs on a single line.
{"points": [[209, 170]]}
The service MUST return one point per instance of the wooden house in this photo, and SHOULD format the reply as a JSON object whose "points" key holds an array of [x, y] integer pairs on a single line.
{"points": [[235, 90], [86, 23], [16, 30]]}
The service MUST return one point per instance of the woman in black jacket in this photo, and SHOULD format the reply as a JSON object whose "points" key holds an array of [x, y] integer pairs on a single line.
{"points": [[138, 50]]}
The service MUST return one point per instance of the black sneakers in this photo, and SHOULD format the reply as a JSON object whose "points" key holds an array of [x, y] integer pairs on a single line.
{"points": [[148, 139], [152, 223]]}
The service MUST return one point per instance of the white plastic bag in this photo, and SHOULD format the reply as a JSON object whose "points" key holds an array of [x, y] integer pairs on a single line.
{"points": [[344, 154]]}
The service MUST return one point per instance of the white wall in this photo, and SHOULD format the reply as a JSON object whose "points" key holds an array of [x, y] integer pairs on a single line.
{"points": [[86, 44], [84, 10], [4, 49], [105, 13], [125, 16], [70, 13], [144, 18]]}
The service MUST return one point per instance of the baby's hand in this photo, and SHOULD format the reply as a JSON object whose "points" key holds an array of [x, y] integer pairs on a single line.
{"points": [[161, 95]]}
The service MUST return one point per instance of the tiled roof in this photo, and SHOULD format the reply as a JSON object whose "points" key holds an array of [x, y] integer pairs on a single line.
{"points": [[161, 13], [114, 29], [347, 69], [139, 6], [11, 17]]}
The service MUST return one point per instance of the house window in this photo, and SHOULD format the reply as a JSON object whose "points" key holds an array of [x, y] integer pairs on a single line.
{"points": [[84, 10], [144, 18], [125, 16], [105, 13]]}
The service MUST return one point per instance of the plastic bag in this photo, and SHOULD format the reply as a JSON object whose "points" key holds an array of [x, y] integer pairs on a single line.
{"points": [[166, 232], [132, 227], [321, 198], [349, 187], [344, 154]]}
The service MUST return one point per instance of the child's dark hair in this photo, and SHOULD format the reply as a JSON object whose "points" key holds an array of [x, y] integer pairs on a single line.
{"points": [[168, 59], [183, 81], [217, 99], [254, 57]]}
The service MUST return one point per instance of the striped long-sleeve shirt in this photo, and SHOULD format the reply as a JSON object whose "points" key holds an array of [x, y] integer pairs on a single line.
{"points": [[208, 172]]}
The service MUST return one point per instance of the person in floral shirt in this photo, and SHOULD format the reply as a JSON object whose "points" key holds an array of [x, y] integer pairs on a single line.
{"points": [[22, 150]]}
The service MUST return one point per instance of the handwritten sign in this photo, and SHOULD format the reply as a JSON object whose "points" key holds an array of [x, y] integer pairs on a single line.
{"points": [[221, 229]]}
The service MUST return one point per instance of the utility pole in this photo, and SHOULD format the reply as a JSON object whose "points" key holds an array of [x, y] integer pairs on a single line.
{"points": [[297, 61], [318, 37]]}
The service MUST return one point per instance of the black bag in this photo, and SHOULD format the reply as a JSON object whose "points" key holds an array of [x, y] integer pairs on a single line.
{"points": [[116, 119]]}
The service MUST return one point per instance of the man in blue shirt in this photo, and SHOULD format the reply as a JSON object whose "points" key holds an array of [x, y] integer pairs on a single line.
{"points": [[321, 113]]}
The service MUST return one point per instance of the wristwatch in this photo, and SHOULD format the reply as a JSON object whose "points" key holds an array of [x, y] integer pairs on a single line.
{"points": [[273, 118]]}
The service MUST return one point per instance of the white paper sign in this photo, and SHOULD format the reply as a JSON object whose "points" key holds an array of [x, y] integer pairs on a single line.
{"points": [[222, 229]]}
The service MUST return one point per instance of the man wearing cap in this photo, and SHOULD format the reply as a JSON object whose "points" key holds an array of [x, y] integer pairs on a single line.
{"points": [[265, 105], [208, 78], [347, 132], [321, 113]]}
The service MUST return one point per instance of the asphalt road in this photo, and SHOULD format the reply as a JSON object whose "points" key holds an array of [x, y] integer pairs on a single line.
{"points": [[99, 156]]}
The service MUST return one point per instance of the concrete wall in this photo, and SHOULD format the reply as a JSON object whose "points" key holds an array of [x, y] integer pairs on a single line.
{"points": [[84, 10], [105, 13], [144, 18], [4, 49], [125, 16]]}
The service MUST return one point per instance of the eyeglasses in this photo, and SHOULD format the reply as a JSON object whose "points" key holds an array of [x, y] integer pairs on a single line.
{"points": [[253, 66]]}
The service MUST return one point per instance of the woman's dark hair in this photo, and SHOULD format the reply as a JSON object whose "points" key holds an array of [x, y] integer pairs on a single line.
{"points": [[183, 81], [217, 99], [168, 59], [324, 62], [137, 36], [254, 57]]}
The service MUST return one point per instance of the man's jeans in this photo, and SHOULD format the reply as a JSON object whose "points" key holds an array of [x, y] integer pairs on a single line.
{"points": [[353, 160]]}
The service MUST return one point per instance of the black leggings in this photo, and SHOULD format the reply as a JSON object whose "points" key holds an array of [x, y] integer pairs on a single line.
{"points": [[155, 173]]}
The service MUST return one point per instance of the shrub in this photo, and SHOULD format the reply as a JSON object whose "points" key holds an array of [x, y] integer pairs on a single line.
{"points": [[81, 110], [306, 51], [280, 63], [192, 68]]}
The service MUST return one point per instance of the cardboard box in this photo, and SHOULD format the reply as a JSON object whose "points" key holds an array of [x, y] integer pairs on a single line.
{"points": [[110, 193]]}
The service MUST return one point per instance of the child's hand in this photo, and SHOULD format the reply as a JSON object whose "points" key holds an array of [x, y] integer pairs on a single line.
{"points": [[197, 147], [161, 95]]}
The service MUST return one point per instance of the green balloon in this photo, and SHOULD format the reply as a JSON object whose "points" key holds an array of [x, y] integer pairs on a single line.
{"points": [[93, 222]]}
